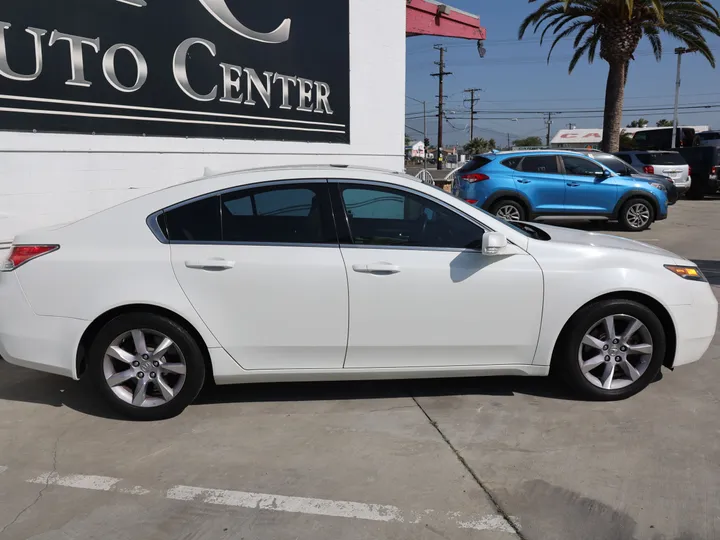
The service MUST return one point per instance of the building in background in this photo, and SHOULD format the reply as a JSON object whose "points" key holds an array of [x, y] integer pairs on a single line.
{"points": [[591, 138]]}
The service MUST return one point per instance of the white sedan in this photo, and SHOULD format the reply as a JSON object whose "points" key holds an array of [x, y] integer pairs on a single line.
{"points": [[330, 273]]}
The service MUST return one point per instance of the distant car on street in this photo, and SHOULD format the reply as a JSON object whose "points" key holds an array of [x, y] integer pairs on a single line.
{"points": [[617, 165], [707, 138], [661, 138], [519, 186], [705, 163], [662, 162]]}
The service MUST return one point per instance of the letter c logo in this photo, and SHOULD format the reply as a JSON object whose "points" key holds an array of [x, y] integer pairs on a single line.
{"points": [[220, 10]]}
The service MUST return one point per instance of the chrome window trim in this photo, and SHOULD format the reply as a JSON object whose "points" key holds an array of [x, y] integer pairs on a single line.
{"points": [[152, 219]]}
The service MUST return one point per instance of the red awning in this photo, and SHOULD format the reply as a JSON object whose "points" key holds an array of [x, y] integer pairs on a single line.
{"points": [[431, 18]]}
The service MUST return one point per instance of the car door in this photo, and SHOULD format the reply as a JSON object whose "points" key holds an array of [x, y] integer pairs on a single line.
{"points": [[421, 294], [263, 269], [538, 177], [588, 189]]}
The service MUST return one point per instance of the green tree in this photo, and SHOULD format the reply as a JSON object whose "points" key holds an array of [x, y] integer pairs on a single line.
{"points": [[408, 140], [528, 141], [477, 146], [639, 123], [664, 123], [616, 27], [492, 144], [626, 141]]}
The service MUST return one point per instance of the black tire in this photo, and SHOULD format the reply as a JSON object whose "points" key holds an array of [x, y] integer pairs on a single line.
{"points": [[504, 203], [625, 216], [566, 358], [187, 346]]}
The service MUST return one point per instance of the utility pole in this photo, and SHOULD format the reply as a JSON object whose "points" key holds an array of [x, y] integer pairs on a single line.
{"points": [[679, 51], [472, 101], [440, 75], [425, 137], [549, 123], [508, 146]]}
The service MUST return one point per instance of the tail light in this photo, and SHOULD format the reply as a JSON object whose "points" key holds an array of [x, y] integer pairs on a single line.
{"points": [[474, 177], [689, 170], [713, 170], [649, 169], [19, 255]]}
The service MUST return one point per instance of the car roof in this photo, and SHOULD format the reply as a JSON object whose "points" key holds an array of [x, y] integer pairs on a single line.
{"points": [[510, 153], [328, 169]]}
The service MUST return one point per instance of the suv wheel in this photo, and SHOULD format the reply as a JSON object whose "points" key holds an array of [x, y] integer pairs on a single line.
{"points": [[146, 366], [611, 350], [637, 215], [508, 210]]}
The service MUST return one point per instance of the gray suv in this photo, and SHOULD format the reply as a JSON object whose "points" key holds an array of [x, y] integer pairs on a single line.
{"points": [[665, 163]]}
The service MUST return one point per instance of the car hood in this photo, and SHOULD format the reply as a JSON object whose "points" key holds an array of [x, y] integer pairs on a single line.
{"points": [[574, 236]]}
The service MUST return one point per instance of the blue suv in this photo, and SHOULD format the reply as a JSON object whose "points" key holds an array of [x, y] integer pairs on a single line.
{"points": [[521, 186]]}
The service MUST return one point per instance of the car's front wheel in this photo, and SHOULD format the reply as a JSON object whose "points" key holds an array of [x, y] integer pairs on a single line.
{"points": [[611, 349], [146, 366], [637, 215]]}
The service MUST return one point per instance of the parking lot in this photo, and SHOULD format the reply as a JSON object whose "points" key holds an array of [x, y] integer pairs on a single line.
{"points": [[492, 458]]}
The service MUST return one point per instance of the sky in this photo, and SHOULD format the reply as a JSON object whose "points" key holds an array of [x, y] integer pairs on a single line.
{"points": [[515, 76]]}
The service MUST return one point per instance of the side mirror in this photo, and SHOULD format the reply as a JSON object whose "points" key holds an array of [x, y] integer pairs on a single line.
{"points": [[603, 175], [493, 243]]}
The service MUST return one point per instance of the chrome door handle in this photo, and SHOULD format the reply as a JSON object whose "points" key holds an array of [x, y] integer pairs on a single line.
{"points": [[376, 268], [210, 264]]}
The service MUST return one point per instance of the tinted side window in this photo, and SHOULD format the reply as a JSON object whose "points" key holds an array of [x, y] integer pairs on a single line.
{"points": [[380, 216], [289, 214], [540, 164], [474, 163], [581, 167], [198, 221], [661, 158], [625, 157], [511, 163]]}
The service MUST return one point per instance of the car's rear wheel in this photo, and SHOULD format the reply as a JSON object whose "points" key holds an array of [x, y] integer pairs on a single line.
{"points": [[637, 215], [611, 349], [146, 366], [509, 210]]}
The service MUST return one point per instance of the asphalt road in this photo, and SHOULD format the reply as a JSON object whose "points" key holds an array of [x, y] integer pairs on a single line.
{"points": [[490, 459]]}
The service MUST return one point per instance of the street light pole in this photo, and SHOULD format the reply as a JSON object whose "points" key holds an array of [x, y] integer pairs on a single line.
{"points": [[679, 51], [425, 150]]}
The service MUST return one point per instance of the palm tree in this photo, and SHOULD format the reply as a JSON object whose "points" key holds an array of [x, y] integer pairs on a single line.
{"points": [[617, 26]]}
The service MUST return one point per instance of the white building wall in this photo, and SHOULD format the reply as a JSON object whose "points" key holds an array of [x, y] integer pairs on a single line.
{"points": [[47, 178]]}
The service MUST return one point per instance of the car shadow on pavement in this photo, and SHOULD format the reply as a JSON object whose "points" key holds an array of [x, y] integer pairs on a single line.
{"points": [[26, 386], [711, 269]]}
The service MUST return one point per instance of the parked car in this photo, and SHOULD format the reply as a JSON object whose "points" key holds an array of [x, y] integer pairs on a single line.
{"points": [[620, 167], [540, 184], [707, 138], [665, 163], [661, 138], [705, 163], [331, 273]]}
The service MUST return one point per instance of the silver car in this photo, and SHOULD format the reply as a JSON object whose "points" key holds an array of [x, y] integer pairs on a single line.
{"points": [[664, 163]]}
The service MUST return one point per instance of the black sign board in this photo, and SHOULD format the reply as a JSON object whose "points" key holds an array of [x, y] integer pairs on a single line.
{"points": [[236, 69]]}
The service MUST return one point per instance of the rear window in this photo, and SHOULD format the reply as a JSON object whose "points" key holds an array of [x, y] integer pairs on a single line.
{"points": [[474, 163], [661, 158], [540, 164], [709, 136]]}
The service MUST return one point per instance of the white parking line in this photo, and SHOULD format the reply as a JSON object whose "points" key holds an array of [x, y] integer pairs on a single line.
{"points": [[80, 481], [279, 503]]}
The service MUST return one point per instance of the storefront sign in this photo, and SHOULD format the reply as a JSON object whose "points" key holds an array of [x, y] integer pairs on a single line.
{"points": [[270, 69]]}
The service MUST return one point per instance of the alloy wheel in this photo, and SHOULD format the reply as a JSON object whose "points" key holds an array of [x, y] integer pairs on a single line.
{"points": [[508, 212], [638, 215], [144, 368], [615, 352]]}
